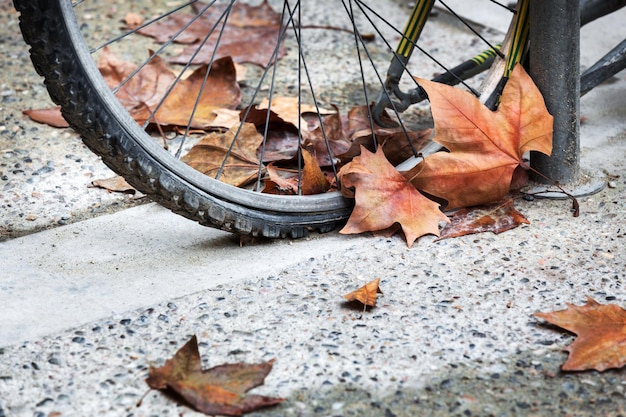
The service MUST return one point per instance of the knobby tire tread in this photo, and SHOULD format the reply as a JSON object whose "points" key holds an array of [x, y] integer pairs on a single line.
{"points": [[68, 84]]}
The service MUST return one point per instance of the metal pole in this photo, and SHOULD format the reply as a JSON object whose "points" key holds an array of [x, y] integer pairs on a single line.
{"points": [[555, 67]]}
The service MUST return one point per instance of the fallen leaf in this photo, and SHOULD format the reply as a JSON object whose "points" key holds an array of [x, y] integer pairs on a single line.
{"points": [[290, 110], [50, 116], [496, 218], [252, 45], [133, 20], [218, 390], [278, 184], [282, 140], [250, 34], [398, 143], [313, 179], [326, 138], [485, 147], [143, 93], [366, 294], [384, 197], [225, 118], [114, 184], [601, 331], [242, 164]]}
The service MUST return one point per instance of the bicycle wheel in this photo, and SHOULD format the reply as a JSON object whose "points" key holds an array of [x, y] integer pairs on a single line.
{"points": [[295, 42]]}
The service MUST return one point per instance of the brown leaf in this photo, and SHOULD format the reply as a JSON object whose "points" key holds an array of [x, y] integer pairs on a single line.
{"points": [[313, 179], [253, 45], [219, 390], [250, 35], [242, 164], [225, 118], [496, 218], [290, 111], [398, 143], [366, 294], [282, 140], [50, 116], [279, 184], [485, 147], [601, 331], [143, 93], [384, 197], [114, 184], [133, 20], [329, 134]]}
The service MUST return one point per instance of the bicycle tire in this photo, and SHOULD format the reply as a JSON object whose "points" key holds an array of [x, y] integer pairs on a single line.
{"points": [[60, 55]]}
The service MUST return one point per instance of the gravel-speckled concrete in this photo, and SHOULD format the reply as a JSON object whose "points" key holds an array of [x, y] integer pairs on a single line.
{"points": [[452, 335]]}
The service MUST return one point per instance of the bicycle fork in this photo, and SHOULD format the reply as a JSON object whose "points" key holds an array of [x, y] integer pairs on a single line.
{"points": [[392, 96]]}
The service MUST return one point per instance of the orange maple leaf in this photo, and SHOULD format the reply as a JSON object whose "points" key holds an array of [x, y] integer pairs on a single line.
{"points": [[384, 197], [601, 331], [485, 147], [219, 390], [366, 294]]}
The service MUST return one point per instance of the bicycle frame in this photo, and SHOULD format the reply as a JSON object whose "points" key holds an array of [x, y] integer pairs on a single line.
{"points": [[505, 56]]}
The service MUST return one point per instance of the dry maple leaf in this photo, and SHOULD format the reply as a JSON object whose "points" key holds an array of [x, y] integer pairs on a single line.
{"points": [[384, 197], [313, 180], [249, 35], [220, 390], [398, 142], [485, 147], [366, 294], [282, 141], [496, 218], [145, 91], [601, 335], [242, 163]]}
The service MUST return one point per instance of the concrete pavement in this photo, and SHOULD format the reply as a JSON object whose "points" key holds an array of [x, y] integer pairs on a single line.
{"points": [[86, 308]]}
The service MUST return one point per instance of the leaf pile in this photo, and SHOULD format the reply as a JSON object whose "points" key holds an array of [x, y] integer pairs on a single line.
{"points": [[485, 149]]}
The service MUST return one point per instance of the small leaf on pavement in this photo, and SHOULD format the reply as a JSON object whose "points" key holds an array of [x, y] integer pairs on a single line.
{"points": [[366, 294], [51, 116]]}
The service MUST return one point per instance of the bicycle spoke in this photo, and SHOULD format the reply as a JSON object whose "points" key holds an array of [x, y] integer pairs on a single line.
{"points": [[471, 28], [142, 26]]}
